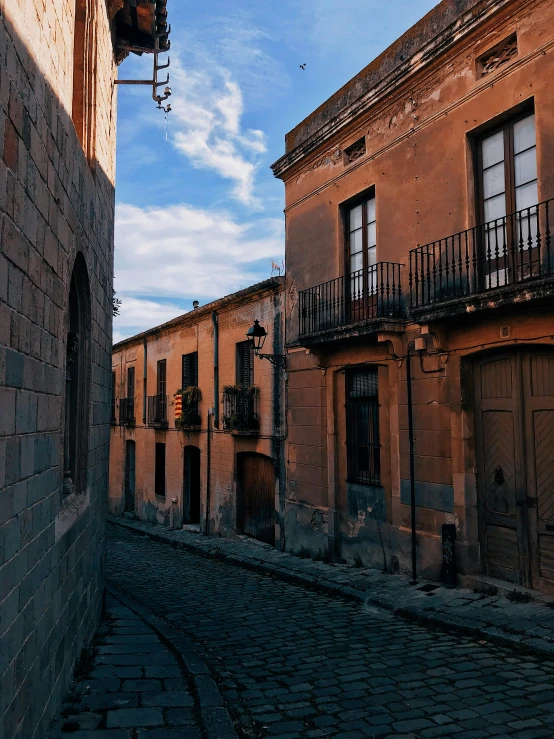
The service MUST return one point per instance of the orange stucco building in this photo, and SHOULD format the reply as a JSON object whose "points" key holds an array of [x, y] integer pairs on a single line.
{"points": [[211, 456], [420, 258]]}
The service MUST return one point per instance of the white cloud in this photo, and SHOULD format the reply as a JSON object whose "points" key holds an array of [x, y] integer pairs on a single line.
{"points": [[137, 315], [186, 252], [206, 119]]}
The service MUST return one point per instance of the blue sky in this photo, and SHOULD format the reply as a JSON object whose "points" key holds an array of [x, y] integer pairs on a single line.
{"points": [[199, 214]]}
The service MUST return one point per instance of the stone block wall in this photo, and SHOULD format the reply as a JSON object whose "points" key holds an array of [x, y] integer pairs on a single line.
{"points": [[54, 204]]}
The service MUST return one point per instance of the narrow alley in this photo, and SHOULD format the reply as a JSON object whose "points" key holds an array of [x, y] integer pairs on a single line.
{"points": [[291, 662]]}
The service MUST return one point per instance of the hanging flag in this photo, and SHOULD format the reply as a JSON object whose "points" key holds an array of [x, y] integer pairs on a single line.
{"points": [[178, 406]]}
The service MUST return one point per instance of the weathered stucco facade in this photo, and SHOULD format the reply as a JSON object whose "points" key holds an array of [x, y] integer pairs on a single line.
{"points": [[57, 145], [406, 147], [174, 475]]}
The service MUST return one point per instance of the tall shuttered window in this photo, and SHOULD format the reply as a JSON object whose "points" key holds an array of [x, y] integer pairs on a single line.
{"points": [[189, 370], [130, 382], [362, 426], [161, 377], [245, 364]]}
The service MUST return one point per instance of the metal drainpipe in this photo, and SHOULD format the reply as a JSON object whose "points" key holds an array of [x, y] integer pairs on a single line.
{"points": [[412, 472], [216, 369], [145, 352], [209, 464]]}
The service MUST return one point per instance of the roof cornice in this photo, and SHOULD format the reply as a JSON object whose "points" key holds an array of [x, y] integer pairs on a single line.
{"points": [[375, 83], [274, 284]]}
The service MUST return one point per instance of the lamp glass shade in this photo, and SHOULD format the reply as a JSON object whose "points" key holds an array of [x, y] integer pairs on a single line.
{"points": [[257, 335]]}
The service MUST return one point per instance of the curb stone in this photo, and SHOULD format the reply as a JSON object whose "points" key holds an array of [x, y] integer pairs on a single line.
{"points": [[215, 717], [446, 622]]}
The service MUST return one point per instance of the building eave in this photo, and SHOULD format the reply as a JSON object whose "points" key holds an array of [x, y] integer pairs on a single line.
{"points": [[271, 285]]}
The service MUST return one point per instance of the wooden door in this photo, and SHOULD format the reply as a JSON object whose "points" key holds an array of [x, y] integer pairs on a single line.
{"points": [[499, 463], [191, 485], [256, 499], [538, 385], [515, 465], [130, 476]]}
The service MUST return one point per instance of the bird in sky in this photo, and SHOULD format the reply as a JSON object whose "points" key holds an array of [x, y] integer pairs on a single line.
{"points": [[303, 66]]}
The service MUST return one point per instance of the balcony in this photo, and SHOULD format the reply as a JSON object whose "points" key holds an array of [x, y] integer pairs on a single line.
{"points": [[240, 410], [508, 259], [127, 411], [360, 303], [157, 410]]}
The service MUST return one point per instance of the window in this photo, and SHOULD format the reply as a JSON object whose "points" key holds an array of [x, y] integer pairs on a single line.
{"points": [[189, 370], [161, 378], [159, 478], [245, 364], [78, 382], [362, 427], [130, 382], [507, 184], [84, 75], [361, 238], [113, 396]]}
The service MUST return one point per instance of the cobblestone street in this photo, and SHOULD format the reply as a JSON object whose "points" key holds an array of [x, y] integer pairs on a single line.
{"points": [[291, 662]]}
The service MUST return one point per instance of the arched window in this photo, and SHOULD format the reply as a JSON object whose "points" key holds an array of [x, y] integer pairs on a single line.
{"points": [[77, 381]]}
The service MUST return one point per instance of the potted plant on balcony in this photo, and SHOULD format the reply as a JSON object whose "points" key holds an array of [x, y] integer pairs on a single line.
{"points": [[189, 418], [239, 415]]}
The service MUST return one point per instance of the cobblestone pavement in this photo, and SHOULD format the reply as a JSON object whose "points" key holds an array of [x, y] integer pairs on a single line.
{"points": [[485, 615], [129, 686], [292, 662]]}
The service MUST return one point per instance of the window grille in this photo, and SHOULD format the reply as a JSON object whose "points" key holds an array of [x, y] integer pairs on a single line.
{"points": [[362, 427]]}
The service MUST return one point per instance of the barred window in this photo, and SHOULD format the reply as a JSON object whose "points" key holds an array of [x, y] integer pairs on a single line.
{"points": [[362, 427]]}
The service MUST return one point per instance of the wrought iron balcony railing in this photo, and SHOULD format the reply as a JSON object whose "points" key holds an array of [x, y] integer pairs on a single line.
{"points": [[240, 409], [157, 410], [508, 251], [127, 411], [375, 292]]}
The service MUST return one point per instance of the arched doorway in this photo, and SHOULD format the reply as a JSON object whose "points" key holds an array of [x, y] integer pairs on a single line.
{"points": [[77, 381], [129, 476], [514, 440], [256, 496], [191, 485]]}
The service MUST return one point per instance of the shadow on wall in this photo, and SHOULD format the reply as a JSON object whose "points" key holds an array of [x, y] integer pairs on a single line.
{"points": [[52, 206]]}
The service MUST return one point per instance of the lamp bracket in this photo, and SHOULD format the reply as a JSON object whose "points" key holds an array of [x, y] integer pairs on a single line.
{"points": [[277, 360]]}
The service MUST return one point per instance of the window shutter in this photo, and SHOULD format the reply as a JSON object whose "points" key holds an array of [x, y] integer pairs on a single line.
{"points": [[189, 370], [245, 364], [131, 382]]}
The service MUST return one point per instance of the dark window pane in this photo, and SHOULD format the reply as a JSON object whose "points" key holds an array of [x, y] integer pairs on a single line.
{"points": [[362, 427], [159, 482]]}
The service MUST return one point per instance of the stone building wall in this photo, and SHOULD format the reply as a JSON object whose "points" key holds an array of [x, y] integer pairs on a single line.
{"points": [[56, 207]]}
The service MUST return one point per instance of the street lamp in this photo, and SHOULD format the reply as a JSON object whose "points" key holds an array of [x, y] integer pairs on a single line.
{"points": [[257, 335]]}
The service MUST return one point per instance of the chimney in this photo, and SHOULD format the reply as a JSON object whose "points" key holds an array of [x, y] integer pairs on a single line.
{"points": [[195, 304]]}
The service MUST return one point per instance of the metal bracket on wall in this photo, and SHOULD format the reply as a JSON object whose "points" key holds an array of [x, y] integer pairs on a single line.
{"points": [[277, 360], [154, 82]]}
